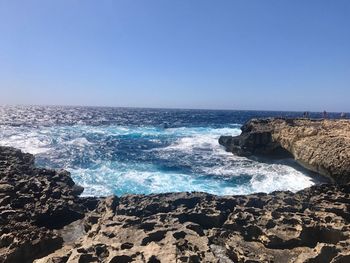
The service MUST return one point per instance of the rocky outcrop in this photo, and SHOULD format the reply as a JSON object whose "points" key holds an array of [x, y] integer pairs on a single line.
{"points": [[43, 219], [34, 202], [310, 226], [322, 146]]}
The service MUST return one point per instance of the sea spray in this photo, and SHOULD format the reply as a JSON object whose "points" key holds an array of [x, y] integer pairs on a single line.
{"points": [[112, 154]]}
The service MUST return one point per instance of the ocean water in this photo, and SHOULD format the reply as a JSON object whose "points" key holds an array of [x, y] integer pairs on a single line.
{"points": [[129, 150]]}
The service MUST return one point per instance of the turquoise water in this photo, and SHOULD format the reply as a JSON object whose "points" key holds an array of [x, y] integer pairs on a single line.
{"points": [[119, 151]]}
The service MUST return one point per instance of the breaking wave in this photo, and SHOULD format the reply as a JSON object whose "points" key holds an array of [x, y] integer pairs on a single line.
{"points": [[110, 158]]}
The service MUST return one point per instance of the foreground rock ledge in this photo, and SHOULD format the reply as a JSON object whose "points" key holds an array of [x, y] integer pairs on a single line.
{"points": [[43, 219], [322, 146]]}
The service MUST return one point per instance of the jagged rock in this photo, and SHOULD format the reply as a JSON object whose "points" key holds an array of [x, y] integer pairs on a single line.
{"points": [[36, 201], [322, 146], [5, 188], [45, 220]]}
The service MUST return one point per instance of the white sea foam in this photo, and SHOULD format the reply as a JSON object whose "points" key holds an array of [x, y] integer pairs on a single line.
{"points": [[80, 142], [200, 139], [265, 177], [142, 179], [30, 142], [201, 163]]}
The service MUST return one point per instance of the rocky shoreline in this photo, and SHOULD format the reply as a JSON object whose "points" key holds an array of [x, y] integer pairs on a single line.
{"points": [[43, 218], [320, 145]]}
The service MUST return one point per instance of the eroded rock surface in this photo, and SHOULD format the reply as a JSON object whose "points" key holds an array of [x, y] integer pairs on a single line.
{"points": [[322, 146], [42, 218], [309, 226], [34, 202]]}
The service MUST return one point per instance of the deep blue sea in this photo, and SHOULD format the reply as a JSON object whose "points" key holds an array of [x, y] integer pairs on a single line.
{"points": [[130, 150]]}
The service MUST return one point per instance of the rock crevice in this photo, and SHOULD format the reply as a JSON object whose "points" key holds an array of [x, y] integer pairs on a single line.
{"points": [[43, 219]]}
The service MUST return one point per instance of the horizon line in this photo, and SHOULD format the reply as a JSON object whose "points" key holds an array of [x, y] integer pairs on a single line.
{"points": [[162, 108]]}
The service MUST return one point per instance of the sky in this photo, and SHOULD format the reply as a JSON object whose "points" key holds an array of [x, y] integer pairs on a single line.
{"points": [[224, 54]]}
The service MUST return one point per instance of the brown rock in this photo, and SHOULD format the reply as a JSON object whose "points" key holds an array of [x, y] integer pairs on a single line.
{"points": [[322, 146], [4, 188], [39, 224]]}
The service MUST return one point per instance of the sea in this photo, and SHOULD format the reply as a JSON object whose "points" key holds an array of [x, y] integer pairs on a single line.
{"points": [[142, 151]]}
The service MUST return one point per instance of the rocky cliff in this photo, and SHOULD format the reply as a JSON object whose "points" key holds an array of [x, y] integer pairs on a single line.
{"points": [[43, 219], [322, 146]]}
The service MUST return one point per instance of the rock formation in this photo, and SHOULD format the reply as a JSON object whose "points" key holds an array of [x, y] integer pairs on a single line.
{"points": [[34, 202], [322, 146], [43, 219]]}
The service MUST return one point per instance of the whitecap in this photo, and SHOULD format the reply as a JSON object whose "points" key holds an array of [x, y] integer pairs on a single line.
{"points": [[80, 142], [90, 153]]}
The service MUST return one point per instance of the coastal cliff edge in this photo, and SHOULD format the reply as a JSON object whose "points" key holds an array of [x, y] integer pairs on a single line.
{"points": [[320, 145], [44, 219]]}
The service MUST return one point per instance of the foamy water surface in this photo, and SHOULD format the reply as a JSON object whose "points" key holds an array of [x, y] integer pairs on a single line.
{"points": [[159, 152]]}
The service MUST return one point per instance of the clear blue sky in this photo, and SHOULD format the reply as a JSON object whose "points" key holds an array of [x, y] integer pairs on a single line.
{"points": [[271, 54]]}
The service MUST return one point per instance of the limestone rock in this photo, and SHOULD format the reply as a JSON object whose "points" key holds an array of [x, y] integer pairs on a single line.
{"points": [[43, 219], [33, 202], [322, 146]]}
